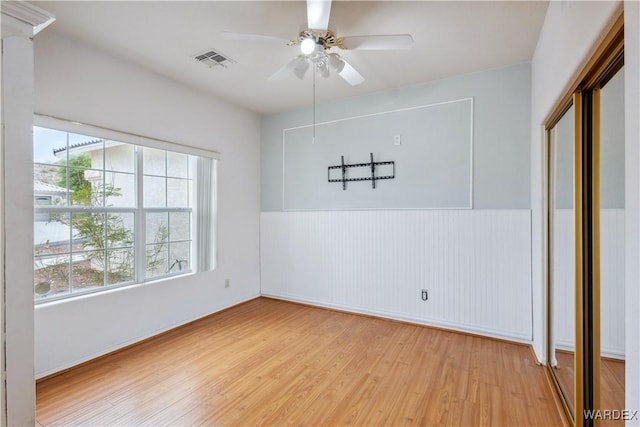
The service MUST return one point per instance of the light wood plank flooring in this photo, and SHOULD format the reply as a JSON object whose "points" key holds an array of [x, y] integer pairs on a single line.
{"points": [[269, 362]]}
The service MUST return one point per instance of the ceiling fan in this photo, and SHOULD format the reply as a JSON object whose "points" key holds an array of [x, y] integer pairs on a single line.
{"points": [[317, 40]]}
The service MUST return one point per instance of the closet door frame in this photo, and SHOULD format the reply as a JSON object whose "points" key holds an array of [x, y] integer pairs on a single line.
{"points": [[584, 95]]}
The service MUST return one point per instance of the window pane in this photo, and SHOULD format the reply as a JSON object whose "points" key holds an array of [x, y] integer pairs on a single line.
{"points": [[51, 275], [177, 165], [51, 174], [49, 185], [81, 183], [88, 231], [119, 157], [177, 193], [85, 187], [51, 234], [154, 161], [179, 226], [120, 190], [46, 142], [84, 151], [90, 159], [157, 256], [119, 230], [179, 258], [120, 266], [87, 270], [157, 225], [155, 192]]}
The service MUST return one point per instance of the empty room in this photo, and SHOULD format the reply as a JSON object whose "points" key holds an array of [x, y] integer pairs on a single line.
{"points": [[320, 213]]}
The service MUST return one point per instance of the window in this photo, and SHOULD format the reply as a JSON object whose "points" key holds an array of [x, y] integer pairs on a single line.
{"points": [[110, 213]]}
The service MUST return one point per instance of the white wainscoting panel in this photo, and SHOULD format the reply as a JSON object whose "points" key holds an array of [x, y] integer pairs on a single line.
{"points": [[563, 279], [476, 265], [612, 294], [611, 281]]}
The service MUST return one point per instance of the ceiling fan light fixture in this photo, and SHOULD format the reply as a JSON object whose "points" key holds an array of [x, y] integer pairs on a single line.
{"points": [[323, 69], [300, 70], [307, 45], [317, 38], [335, 62]]}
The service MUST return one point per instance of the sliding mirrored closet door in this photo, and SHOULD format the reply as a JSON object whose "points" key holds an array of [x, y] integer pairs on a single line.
{"points": [[612, 205], [585, 240]]}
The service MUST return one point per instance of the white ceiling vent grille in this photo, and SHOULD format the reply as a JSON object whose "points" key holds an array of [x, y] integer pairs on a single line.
{"points": [[211, 58]]}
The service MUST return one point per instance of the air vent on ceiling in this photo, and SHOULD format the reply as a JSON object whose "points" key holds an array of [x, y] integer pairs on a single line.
{"points": [[211, 58]]}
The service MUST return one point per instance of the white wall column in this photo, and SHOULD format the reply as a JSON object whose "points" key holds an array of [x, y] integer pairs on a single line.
{"points": [[632, 211], [16, 212]]}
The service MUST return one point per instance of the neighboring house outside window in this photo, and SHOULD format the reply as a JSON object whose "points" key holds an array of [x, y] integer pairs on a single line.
{"points": [[108, 213]]}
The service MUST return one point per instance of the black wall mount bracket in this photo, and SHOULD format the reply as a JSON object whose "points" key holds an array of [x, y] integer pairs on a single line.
{"points": [[373, 178]]}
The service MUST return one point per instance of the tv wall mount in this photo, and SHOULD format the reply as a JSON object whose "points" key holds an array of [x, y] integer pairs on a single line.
{"points": [[373, 178]]}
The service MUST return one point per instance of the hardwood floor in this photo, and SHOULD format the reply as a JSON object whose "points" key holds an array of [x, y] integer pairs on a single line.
{"points": [[269, 362]]}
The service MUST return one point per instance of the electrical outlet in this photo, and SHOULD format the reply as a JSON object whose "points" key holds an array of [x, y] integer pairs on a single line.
{"points": [[424, 294], [397, 140], [227, 283]]}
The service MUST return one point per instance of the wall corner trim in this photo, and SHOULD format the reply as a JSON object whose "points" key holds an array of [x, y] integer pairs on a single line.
{"points": [[25, 12]]}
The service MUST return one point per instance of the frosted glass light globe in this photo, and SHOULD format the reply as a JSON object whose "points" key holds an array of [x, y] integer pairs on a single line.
{"points": [[307, 46]]}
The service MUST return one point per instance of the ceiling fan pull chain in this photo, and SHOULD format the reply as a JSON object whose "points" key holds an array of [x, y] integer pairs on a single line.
{"points": [[313, 138]]}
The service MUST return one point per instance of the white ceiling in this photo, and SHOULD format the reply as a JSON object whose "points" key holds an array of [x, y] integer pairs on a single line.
{"points": [[451, 38]]}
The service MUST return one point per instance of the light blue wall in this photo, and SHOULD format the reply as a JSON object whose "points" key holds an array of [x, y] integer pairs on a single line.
{"points": [[432, 151], [501, 146]]}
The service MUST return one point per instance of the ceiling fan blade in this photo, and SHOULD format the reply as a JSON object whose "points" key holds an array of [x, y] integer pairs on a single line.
{"points": [[254, 38], [298, 65], [384, 42], [318, 12], [350, 75]]}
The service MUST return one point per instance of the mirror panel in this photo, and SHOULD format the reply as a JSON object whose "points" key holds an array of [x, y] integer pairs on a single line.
{"points": [[561, 255], [612, 206]]}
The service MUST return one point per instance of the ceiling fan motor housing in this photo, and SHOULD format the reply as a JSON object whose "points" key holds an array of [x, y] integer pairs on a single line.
{"points": [[326, 39]]}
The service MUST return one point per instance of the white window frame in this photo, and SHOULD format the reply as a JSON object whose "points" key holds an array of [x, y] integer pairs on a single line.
{"points": [[140, 211], [140, 243]]}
